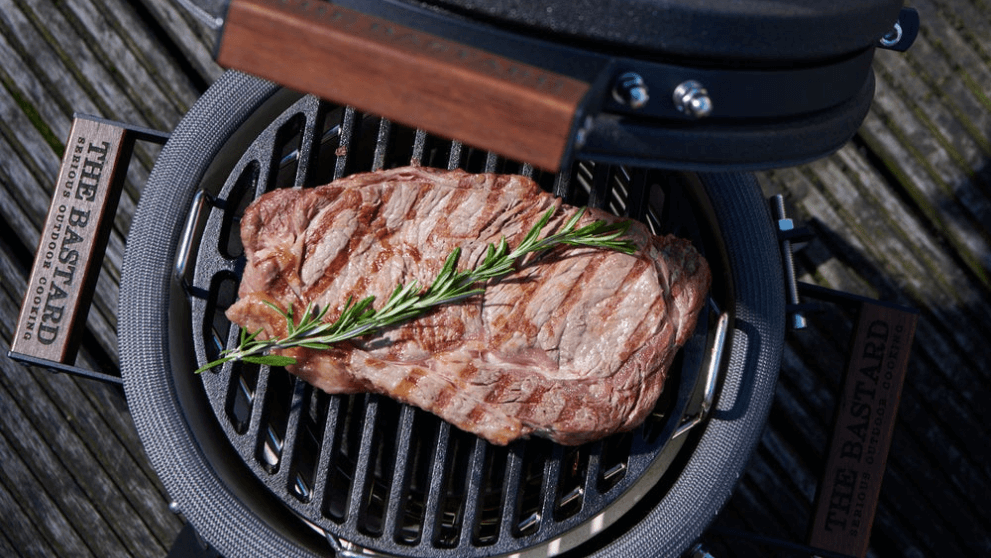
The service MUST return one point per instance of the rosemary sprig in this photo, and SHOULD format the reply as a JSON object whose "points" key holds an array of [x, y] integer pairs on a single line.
{"points": [[409, 301]]}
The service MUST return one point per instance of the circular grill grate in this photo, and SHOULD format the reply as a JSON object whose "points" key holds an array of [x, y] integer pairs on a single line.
{"points": [[366, 470]]}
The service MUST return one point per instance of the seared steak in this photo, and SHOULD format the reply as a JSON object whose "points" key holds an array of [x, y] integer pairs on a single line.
{"points": [[574, 345]]}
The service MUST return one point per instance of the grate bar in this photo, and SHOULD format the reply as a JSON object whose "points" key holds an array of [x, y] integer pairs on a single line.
{"points": [[419, 147], [311, 108], [362, 468], [636, 204], [436, 482], [491, 161], [474, 491], [223, 375], [292, 429], [597, 196], [381, 144], [592, 470], [562, 186], [400, 471], [549, 486], [454, 160], [327, 443], [347, 133], [511, 489], [261, 395]]}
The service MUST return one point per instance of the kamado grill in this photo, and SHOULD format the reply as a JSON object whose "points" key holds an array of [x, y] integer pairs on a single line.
{"points": [[649, 109]]}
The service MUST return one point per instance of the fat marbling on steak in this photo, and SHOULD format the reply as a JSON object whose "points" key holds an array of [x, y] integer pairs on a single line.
{"points": [[573, 345]]}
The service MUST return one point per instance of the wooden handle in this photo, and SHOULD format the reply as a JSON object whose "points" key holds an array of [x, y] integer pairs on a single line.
{"points": [[406, 75], [862, 430], [77, 228]]}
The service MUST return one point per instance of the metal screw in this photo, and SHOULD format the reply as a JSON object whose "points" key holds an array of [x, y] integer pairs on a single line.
{"points": [[893, 37], [631, 90], [691, 98], [174, 507]]}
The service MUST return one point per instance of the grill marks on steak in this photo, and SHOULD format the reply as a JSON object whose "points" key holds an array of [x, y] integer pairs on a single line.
{"points": [[574, 345]]}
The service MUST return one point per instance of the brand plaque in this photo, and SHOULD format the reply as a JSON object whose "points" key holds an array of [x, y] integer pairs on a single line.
{"points": [[64, 273], [851, 484]]}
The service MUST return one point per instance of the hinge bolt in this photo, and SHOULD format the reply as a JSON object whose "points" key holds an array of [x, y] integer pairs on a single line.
{"points": [[691, 98], [631, 90]]}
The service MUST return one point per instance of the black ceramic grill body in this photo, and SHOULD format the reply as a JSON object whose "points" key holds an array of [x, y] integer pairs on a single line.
{"points": [[239, 477]]}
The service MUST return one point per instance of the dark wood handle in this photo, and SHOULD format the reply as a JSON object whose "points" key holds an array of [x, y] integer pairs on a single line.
{"points": [[76, 231], [863, 429], [406, 75]]}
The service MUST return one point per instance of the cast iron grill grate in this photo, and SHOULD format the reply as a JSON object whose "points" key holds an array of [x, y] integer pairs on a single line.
{"points": [[387, 477]]}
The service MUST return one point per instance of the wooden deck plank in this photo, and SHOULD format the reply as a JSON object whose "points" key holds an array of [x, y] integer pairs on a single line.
{"points": [[767, 471], [100, 448], [193, 38], [57, 515], [96, 28], [19, 536], [99, 456], [86, 449], [972, 67], [934, 180], [93, 502], [914, 229], [895, 240]]}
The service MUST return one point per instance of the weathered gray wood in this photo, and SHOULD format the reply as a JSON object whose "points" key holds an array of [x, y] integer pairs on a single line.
{"points": [[96, 492], [932, 177], [92, 458], [194, 39], [102, 470], [43, 509], [19, 536], [105, 447]]}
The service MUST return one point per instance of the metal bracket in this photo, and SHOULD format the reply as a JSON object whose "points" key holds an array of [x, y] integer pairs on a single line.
{"points": [[711, 377], [902, 33], [788, 238]]}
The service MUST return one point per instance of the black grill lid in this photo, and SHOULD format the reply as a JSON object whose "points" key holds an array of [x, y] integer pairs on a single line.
{"points": [[727, 31]]}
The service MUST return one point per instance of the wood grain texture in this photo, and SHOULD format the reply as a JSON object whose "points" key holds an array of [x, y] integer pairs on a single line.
{"points": [[861, 433], [520, 111], [72, 242], [74, 480]]}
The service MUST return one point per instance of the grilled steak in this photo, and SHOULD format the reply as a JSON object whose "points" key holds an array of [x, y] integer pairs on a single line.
{"points": [[574, 345]]}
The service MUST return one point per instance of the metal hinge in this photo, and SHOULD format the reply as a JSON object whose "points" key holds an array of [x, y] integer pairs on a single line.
{"points": [[790, 238]]}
